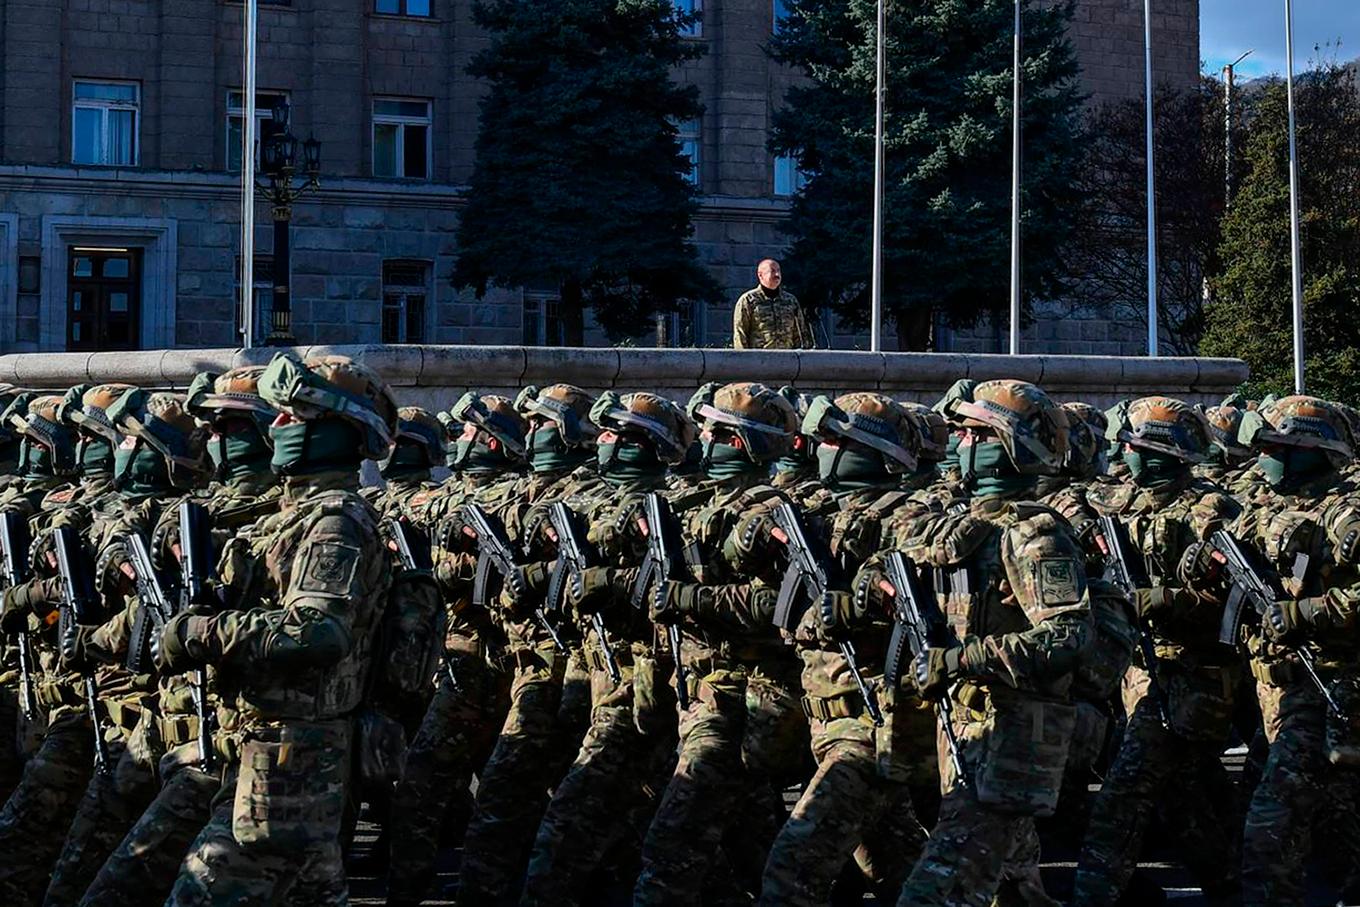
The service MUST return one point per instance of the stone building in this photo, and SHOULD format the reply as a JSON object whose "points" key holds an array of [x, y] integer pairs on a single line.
{"points": [[119, 159]]}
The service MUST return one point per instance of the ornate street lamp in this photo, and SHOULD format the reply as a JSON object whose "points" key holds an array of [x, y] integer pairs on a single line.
{"points": [[278, 163]]}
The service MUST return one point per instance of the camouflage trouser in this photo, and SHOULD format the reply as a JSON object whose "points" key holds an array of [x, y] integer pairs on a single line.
{"points": [[838, 817], [1075, 801], [968, 853], [512, 789], [143, 867], [274, 837], [1154, 766], [683, 840], [111, 804], [454, 740], [1296, 789], [606, 789], [38, 812]]}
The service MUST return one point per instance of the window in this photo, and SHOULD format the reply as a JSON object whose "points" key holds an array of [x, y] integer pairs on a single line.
{"points": [[402, 7], [261, 297], [405, 287], [789, 178], [104, 123], [691, 8], [542, 321], [401, 138], [236, 117], [781, 12], [690, 134], [103, 299], [682, 328]]}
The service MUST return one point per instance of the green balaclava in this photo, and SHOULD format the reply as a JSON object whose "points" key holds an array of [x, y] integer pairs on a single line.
{"points": [[723, 461], [987, 469], [1289, 466], [548, 452], [1153, 469], [95, 456], [951, 453], [35, 460], [848, 467], [139, 469], [314, 446], [475, 457], [626, 460], [238, 449]]}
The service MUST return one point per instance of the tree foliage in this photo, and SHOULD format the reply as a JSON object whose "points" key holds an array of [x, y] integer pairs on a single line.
{"points": [[1108, 252], [580, 184], [1250, 314], [948, 155]]}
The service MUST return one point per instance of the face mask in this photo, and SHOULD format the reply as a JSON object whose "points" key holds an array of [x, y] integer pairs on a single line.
{"points": [[1151, 469], [407, 459], [844, 467], [624, 462], [96, 458], [473, 456], [548, 451], [987, 469], [240, 453], [951, 453], [304, 448], [1292, 466], [36, 459], [726, 461], [138, 469]]}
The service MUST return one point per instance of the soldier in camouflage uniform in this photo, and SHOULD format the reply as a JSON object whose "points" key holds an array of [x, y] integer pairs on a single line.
{"points": [[406, 473], [528, 758], [142, 867], [626, 751], [1300, 504], [296, 657], [868, 443], [1228, 460], [1166, 510], [1012, 585], [796, 471], [770, 317], [727, 638], [1085, 450], [471, 699], [162, 457]]}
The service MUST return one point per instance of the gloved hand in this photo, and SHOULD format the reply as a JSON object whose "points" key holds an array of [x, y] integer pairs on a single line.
{"points": [[183, 643], [1290, 621], [1201, 568], [451, 537], [522, 586], [39, 596], [837, 612], [74, 656], [935, 669], [591, 590], [676, 600]]}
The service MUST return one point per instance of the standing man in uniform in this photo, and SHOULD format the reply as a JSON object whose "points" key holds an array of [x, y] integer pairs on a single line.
{"points": [[769, 317]]}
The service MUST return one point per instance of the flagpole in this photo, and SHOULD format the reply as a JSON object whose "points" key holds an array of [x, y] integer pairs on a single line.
{"points": [[251, 13], [1015, 186], [1151, 183], [1295, 255], [876, 277]]}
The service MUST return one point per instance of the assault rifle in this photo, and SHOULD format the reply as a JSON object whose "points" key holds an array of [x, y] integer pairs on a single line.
{"points": [[1124, 568], [494, 552], [573, 556], [80, 605], [14, 544], [916, 629], [153, 611], [805, 581], [1249, 587], [660, 565], [415, 555], [197, 568]]}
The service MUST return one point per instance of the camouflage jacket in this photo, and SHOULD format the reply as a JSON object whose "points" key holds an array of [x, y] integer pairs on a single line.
{"points": [[760, 322]]}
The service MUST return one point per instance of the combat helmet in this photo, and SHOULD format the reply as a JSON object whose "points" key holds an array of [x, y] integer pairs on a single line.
{"points": [[804, 447], [452, 429], [1161, 424], [1030, 426], [420, 430], [162, 421], [670, 431], [1225, 420], [762, 420], [874, 420], [932, 431], [564, 405], [1301, 421], [236, 391], [334, 387], [87, 407], [1086, 427], [41, 424], [491, 416]]}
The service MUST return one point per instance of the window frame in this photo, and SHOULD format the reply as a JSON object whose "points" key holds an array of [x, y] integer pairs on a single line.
{"points": [[104, 107], [262, 115], [535, 304], [403, 10], [401, 121], [776, 7], [696, 8], [261, 287], [693, 137], [797, 175], [404, 291]]}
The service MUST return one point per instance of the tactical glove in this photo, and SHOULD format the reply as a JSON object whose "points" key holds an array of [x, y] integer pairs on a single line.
{"points": [[1201, 568], [74, 654], [183, 645], [591, 590], [523, 586], [1289, 620], [837, 612], [935, 669], [677, 599]]}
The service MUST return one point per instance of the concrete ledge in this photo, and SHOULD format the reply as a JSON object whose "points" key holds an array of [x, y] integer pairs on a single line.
{"points": [[434, 375]]}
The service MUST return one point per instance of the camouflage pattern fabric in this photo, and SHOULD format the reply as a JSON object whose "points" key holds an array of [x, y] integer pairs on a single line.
{"points": [[762, 322]]}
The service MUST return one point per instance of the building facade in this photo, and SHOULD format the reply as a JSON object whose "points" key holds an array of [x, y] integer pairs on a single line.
{"points": [[120, 210]]}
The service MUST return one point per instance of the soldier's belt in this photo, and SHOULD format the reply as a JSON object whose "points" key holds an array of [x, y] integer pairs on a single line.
{"points": [[827, 709], [1276, 673], [123, 715], [178, 730]]}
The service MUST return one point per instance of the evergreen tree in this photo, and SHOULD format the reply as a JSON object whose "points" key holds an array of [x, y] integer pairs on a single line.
{"points": [[579, 182], [1250, 315], [946, 236]]}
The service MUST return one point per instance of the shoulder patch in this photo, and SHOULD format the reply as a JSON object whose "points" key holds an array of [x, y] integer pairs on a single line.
{"points": [[328, 567], [1058, 583]]}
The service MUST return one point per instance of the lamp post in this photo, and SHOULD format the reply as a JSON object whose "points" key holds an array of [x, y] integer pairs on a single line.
{"points": [[279, 163]]}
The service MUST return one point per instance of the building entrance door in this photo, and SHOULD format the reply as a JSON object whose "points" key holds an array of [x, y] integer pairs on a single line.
{"points": [[103, 299]]}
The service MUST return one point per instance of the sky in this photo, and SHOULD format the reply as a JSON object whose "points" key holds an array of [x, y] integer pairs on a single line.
{"points": [[1230, 27]]}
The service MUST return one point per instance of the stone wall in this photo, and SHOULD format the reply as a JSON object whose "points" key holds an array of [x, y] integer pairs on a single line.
{"points": [[434, 376]]}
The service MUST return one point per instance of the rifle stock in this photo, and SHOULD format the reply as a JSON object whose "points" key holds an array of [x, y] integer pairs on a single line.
{"points": [[15, 542]]}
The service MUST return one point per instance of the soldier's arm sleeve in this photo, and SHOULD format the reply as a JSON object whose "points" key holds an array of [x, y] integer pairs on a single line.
{"points": [[109, 641], [743, 608], [335, 570], [1030, 660], [741, 326]]}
